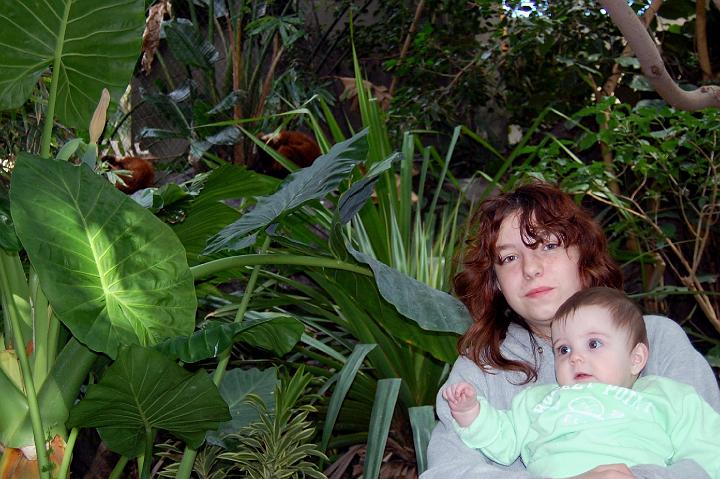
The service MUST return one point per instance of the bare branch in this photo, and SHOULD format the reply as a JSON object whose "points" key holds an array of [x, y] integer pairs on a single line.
{"points": [[701, 44], [611, 83], [408, 40], [652, 64]]}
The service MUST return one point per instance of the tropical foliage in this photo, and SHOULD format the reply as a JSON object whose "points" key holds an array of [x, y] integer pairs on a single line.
{"points": [[235, 324]]}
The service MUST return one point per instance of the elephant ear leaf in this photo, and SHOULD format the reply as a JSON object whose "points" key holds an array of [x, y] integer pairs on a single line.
{"points": [[113, 273], [142, 391], [93, 44], [306, 184], [431, 309]]}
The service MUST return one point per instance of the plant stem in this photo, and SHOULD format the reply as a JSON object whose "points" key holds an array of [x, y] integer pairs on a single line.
{"points": [[211, 22], [41, 363], [118, 469], [166, 72], [35, 418], [225, 355], [53, 338], [147, 459], [189, 455], [52, 98], [186, 464], [67, 457], [215, 266]]}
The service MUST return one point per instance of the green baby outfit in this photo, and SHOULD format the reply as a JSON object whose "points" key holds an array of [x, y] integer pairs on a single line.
{"points": [[562, 431]]}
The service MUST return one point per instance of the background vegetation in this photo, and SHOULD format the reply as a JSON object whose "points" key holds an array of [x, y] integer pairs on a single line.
{"points": [[225, 323]]}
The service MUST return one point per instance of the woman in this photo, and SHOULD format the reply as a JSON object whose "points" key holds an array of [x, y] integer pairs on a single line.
{"points": [[534, 249]]}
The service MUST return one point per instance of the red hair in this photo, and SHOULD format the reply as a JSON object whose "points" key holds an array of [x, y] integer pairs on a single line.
{"points": [[542, 209]]}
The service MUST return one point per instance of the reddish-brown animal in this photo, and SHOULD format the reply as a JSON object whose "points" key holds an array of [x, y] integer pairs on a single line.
{"points": [[296, 146], [142, 172]]}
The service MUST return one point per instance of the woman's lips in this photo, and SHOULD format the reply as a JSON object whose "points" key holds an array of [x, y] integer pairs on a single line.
{"points": [[537, 292]]}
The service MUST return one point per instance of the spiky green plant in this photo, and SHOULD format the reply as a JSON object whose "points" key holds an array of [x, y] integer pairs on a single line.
{"points": [[278, 445]]}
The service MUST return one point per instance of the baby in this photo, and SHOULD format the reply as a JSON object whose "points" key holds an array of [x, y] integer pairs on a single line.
{"points": [[600, 413]]}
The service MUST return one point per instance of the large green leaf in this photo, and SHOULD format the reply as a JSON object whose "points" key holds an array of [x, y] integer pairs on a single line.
{"points": [[402, 344], [113, 272], [345, 378], [278, 335], [144, 390], [97, 43], [13, 406], [270, 331], [431, 309], [235, 387], [307, 184], [422, 420], [382, 414], [207, 215], [8, 239], [56, 396]]}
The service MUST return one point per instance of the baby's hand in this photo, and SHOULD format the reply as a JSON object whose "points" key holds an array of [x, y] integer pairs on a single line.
{"points": [[462, 399], [460, 396]]}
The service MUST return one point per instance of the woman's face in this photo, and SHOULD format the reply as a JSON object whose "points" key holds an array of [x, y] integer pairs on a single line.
{"points": [[535, 282]]}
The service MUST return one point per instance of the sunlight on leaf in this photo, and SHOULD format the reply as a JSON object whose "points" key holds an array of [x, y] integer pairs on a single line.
{"points": [[114, 273]]}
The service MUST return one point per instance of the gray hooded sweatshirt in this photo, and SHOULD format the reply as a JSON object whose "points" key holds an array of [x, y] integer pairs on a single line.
{"points": [[671, 355]]}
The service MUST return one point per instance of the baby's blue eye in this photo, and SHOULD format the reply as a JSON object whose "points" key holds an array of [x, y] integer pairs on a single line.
{"points": [[562, 350], [594, 343]]}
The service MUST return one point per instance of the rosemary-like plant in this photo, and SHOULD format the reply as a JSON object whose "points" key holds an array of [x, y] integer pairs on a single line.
{"points": [[278, 445]]}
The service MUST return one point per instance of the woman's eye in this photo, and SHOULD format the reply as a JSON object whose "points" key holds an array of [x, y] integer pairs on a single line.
{"points": [[508, 259], [562, 350], [594, 343], [551, 246]]}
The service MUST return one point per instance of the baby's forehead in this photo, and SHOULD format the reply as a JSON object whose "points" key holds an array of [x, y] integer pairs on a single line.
{"points": [[585, 317]]}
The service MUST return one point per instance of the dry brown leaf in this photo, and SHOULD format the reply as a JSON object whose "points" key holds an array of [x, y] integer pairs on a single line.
{"points": [[379, 92], [413, 196], [97, 123], [337, 469], [151, 35]]}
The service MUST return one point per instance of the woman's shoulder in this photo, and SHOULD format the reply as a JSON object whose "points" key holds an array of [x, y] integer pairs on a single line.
{"points": [[663, 329], [672, 355]]}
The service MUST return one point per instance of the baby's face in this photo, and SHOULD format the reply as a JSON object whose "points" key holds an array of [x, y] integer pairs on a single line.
{"points": [[588, 347]]}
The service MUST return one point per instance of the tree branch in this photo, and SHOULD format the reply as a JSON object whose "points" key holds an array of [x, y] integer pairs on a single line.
{"points": [[608, 88], [701, 40], [652, 64], [408, 41]]}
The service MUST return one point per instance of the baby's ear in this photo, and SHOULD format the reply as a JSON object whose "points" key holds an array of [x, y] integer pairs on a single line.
{"points": [[638, 358]]}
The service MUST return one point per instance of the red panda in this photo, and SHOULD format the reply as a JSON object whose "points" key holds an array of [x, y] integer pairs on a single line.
{"points": [[142, 173], [296, 146]]}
